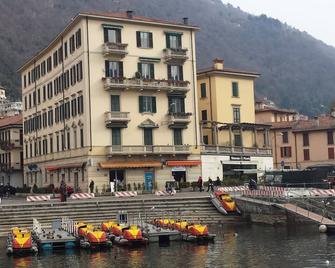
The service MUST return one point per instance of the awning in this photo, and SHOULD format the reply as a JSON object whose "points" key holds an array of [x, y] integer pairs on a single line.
{"points": [[75, 165], [140, 164], [183, 163]]}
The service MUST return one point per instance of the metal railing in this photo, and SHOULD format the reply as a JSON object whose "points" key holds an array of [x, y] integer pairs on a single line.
{"points": [[151, 84], [148, 149], [172, 54]]}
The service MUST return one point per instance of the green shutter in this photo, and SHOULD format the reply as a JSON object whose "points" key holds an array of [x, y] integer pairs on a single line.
{"points": [[106, 70], [153, 99], [139, 68], [152, 71], [141, 104], [180, 44], [138, 39], [150, 41], [181, 75], [167, 37], [105, 35], [120, 69], [169, 71]]}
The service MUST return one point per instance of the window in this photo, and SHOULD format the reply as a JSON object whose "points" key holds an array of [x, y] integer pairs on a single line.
{"points": [[43, 68], [237, 139], [60, 55], [330, 137], [115, 103], [330, 153], [148, 140], [24, 81], [79, 71], [81, 137], [57, 143], [144, 39], [176, 104], [51, 145], [305, 139], [44, 93], [112, 35], [173, 40], [236, 114], [205, 139], [147, 104], [25, 102], [177, 136], [75, 138], [204, 115], [78, 38], [235, 92], [74, 107], [147, 70], [203, 90], [68, 140], [65, 50], [285, 151], [55, 59], [116, 136], [306, 154], [38, 96], [72, 44], [175, 72], [80, 104], [285, 137], [49, 66], [113, 68]]}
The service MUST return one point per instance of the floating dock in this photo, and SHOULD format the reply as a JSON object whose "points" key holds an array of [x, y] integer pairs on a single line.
{"points": [[158, 234], [53, 238]]}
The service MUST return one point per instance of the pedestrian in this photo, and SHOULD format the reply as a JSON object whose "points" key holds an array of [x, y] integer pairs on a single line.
{"points": [[210, 185], [91, 186], [63, 191], [217, 182], [200, 184]]}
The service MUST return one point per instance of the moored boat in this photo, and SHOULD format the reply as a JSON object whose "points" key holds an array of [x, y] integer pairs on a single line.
{"points": [[19, 241], [90, 237], [224, 203], [128, 235]]}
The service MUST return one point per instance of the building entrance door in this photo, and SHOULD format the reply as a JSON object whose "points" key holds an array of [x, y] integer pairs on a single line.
{"points": [[179, 175], [148, 180], [116, 176]]}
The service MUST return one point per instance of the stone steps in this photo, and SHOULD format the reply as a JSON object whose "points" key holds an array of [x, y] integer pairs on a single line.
{"points": [[97, 210]]}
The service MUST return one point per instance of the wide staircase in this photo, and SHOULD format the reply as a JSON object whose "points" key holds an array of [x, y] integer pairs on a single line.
{"points": [[194, 209]]}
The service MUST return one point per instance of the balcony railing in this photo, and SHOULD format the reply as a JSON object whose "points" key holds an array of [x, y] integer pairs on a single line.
{"points": [[147, 149], [10, 145], [116, 119], [111, 83], [178, 119], [246, 151], [115, 49], [175, 55]]}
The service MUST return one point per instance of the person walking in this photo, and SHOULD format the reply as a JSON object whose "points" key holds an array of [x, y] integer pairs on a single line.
{"points": [[217, 182], [91, 186], [210, 185], [200, 184]]}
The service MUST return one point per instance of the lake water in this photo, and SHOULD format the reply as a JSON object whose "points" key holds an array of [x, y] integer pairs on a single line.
{"points": [[254, 246]]}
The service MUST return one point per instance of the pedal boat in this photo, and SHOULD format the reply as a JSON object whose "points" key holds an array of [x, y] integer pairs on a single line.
{"points": [[20, 241]]}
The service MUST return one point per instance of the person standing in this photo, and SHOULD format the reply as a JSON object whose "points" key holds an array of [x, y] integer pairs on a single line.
{"points": [[200, 184], [63, 191], [210, 185], [91, 186]]}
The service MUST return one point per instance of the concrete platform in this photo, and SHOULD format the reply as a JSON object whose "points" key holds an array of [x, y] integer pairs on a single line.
{"points": [[157, 234]]}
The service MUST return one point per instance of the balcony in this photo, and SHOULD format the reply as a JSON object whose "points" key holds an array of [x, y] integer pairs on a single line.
{"points": [[116, 119], [241, 151], [147, 149], [179, 120], [115, 49], [10, 145], [111, 83], [175, 55]]}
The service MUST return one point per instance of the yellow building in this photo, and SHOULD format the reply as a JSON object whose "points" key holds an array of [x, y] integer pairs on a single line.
{"points": [[228, 128], [112, 97]]}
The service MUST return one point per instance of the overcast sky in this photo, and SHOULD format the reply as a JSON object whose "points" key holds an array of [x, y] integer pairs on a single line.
{"points": [[316, 17]]}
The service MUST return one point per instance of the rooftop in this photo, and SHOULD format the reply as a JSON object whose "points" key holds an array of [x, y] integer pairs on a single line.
{"points": [[11, 120], [275, 109]]}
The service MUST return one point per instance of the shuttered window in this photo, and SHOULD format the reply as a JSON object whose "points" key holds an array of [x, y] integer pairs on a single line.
{"points": [[112, 35], [144, 40], [330, 153], [115, 103], [147, 70], [173, 40], [306, 154], [148, 140], [177, 136], [176, 104], [116, 136], [330, 137], [147, 104], [235, 91], [175, 72], [113, 69], [203, 90]]}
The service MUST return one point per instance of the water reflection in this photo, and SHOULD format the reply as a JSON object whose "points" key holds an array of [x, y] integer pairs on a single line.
{"points": [[241, 246]]}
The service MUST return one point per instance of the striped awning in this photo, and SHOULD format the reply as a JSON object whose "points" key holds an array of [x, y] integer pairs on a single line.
{"points": [[139, 164], [183, 163]]}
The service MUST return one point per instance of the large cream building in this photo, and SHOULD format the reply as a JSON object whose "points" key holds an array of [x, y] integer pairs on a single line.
{"points": [[233, 144], [113, 96]]}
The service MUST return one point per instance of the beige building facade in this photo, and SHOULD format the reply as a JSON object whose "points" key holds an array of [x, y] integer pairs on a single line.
{"points": [[113, 97], [231, 139], [11, 155]]}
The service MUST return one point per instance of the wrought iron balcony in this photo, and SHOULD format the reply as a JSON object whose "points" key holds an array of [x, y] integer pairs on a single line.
{"points": [[115, 49], [116, 119], [8, 145], [179, 120], [231, 150], [111, 83], [175, 55], [147, 149]]}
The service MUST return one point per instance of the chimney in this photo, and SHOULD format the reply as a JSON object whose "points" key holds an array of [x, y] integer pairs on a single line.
{"points": [[185, 20], [218, 64], [130, 14]]}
